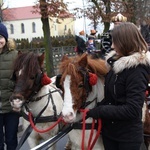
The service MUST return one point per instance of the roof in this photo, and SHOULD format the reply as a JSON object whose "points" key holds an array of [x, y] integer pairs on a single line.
{"points": [[20, 13]]}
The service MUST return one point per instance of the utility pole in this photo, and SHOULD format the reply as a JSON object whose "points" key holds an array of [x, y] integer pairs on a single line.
{"points": [[84, 23]]}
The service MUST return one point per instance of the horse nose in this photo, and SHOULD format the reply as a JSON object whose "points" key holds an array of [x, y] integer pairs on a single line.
{"points": [[16, 97], [68, 117], [16, 102]]}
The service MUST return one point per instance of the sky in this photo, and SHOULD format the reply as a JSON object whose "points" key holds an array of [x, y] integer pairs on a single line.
{"points": [[80, 24]]}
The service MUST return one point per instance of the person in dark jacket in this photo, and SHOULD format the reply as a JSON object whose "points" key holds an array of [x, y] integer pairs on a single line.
{"points": [[106, 39], [91, 45], [145, 31], [81, 42], [9, 120], [125, 87]]}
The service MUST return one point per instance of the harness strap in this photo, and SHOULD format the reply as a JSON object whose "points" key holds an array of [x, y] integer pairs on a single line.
{"points": [[42, 119], [47, 144], [29, 128], [44, 130], [24, 137], [54, 106], [88, 126]]}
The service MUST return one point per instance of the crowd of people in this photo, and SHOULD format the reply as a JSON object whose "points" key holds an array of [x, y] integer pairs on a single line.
{"points": [[87, 42], [125, 49]]}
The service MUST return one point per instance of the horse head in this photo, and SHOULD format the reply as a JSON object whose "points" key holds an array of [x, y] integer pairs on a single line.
{"points": [[27, 75], [79, 78]]}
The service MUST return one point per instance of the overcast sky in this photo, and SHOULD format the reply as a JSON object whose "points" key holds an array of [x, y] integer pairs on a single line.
{"points": [[79, 24], [20, 3]]}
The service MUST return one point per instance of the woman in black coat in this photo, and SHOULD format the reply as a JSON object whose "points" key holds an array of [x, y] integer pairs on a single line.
{"points": [[125, 86]]}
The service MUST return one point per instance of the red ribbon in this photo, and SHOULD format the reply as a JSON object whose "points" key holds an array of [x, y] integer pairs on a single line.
{"points": [[45, 80], [92, 78]]}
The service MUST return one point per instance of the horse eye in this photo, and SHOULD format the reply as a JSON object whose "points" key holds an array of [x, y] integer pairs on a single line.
{"points": [[80, 85], [32, 77]]}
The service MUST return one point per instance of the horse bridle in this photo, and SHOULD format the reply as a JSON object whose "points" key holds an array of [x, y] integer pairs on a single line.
{"points": [[85, 73], [38, 86], [43, 118]]}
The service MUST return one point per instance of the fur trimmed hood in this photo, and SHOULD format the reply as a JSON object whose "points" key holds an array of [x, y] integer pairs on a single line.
{"points": [[11, 44], [129, 61]]}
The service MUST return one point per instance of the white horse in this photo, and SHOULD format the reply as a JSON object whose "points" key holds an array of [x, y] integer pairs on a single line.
{"points": [[35, 107], [33, 88], [77, 90]]}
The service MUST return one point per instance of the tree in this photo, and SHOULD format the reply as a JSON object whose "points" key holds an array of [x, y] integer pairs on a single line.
{"points": [[49, 9], [103, 10], [142, 11]]}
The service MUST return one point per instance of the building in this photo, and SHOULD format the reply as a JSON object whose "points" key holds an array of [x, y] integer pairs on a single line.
{"points": [[22, 23]]}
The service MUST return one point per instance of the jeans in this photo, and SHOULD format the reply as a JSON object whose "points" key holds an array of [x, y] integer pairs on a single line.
{"points": [[8, 130], [115, 145]]}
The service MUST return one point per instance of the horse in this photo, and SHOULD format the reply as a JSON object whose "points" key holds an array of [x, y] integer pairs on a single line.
{"points": [[78, 92], [36, 93], [82, 81], [146, 119]]}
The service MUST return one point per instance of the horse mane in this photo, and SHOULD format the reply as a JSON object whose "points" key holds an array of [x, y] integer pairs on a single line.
{"points": [[97, 66], [28, 61], [71, 66]]}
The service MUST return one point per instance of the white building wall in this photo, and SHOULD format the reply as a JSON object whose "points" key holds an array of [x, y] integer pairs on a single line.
{"points": [[28, 29], [55, 28]]}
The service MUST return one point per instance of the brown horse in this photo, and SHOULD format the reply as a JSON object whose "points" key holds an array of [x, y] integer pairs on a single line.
{"points": [[75, 82], [146, 121], [34, 91], [82, 83]]}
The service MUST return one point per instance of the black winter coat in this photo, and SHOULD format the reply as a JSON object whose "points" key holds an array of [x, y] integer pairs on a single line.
{"points": [[125, 86]]}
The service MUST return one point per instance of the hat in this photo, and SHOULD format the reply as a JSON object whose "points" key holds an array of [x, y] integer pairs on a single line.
{"points": [[119, 18], [3, 31], [81, 32], [93, 31]]}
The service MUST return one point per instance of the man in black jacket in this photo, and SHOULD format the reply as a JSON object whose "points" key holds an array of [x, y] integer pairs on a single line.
{"points": [[81, 42], [106, 39]]}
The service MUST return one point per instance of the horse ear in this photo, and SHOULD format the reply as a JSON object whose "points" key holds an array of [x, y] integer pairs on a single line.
{"points": [[41, 58], [83, 60], [65, 57]]}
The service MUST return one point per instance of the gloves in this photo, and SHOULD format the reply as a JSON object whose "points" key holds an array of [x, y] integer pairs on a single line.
{"points": [[94, 113]]}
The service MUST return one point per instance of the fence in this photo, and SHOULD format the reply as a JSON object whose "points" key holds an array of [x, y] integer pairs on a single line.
{"points": [[58, 52]]}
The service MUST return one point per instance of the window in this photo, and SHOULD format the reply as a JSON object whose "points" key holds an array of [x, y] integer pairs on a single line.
{"points": [[22, 28], [33, 27], [11, 29], [65, 28]]}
